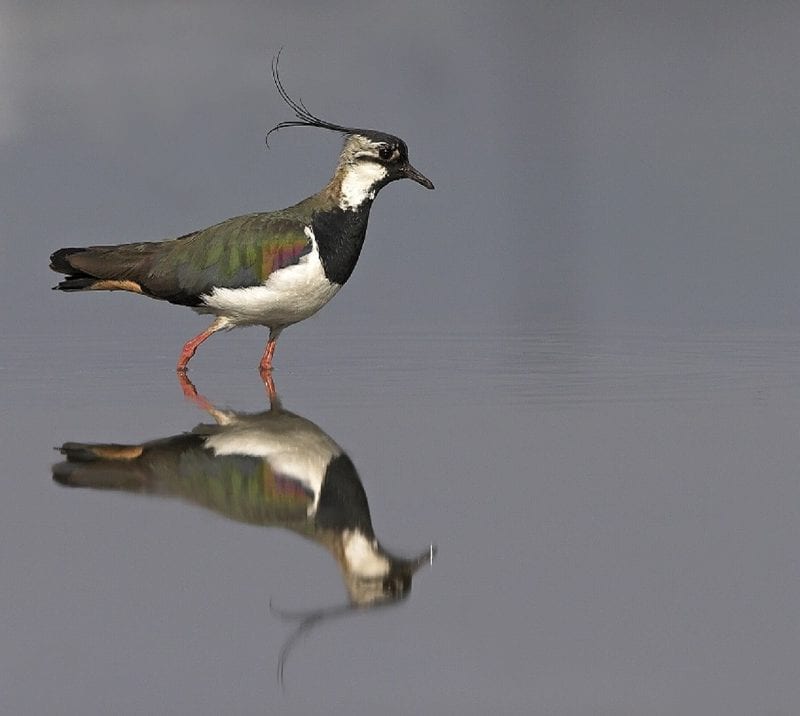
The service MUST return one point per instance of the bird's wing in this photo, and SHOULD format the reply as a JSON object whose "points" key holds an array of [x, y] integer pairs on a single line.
{"points": [[242, 251], [239, 252], [240, 487]]}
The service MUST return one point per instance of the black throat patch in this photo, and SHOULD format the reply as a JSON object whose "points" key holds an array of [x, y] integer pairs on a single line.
{"points": [[342, 501], [340, 235]]}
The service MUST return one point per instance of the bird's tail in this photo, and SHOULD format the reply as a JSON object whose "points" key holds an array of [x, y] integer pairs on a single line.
{"points": [[100, 268], [76, 280], [102, 467]]}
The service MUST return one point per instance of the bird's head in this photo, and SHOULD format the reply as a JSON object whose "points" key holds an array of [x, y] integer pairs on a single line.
{"points": [[369, 159], [373, 574]]}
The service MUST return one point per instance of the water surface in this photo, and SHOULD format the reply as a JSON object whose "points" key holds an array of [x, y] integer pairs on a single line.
{"points": [[616, 513]]}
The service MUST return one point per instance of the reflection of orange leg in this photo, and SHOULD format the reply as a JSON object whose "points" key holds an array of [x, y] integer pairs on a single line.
{"points": [[266, 360], [190, 393], [269, 385], [191, 346]]}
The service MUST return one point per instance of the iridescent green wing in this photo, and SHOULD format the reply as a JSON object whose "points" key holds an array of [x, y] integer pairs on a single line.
{"points": [[236, 253], [242, 488]]}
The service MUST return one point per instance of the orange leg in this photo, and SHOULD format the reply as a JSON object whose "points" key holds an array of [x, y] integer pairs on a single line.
{"points": [[266, 360], [191, 346], [269, 386]]}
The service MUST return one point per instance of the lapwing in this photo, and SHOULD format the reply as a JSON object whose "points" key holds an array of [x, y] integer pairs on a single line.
{"points": [[269, 269], [269, 469]]}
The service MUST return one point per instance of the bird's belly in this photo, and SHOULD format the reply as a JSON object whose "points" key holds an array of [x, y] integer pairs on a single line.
{"points": [[289, 295]]}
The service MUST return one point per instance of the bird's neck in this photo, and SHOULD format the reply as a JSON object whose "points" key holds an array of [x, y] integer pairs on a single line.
{"points": [[339, 214], [340, 235]]}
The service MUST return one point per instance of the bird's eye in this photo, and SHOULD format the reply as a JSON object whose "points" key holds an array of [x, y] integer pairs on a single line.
{"points": [[385, 152]]}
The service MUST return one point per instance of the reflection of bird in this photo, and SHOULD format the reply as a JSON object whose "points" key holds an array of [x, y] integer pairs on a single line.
{"points": [[268, 269], [273, 469]]}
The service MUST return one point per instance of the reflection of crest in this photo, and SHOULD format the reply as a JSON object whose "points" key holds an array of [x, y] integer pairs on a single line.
{"points": [[273, 469]]}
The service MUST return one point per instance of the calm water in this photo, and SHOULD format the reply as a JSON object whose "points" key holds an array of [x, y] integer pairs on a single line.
{"points": [[617, 515]]}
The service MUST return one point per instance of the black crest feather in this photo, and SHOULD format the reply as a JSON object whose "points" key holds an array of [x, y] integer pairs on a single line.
{"points": [[304, 117]]}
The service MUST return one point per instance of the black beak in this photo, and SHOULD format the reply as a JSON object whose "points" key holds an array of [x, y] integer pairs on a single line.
{"points": [[411, 173], [426, 557]]}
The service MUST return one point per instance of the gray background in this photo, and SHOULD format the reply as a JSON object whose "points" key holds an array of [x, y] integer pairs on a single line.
{"points": [[574, 365], [594, 161]]}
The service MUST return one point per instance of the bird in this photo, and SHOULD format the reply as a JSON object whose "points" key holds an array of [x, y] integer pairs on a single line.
{"points": [[270, 469], [273, 469], [271, 269]]}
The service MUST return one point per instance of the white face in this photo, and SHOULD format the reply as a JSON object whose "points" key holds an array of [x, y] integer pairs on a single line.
{"points": [[361, 169], [362, 556], [359, 182]]}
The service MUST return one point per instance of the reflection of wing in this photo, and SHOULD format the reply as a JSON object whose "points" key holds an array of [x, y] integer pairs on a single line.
{"points": [[243, 488], [240, 487]]}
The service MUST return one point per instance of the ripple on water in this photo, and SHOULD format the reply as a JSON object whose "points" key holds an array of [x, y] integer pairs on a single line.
{"points": [[517, 365]]}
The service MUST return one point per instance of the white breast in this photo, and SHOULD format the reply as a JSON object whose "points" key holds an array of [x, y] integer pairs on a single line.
{"points": [[288, 295]]}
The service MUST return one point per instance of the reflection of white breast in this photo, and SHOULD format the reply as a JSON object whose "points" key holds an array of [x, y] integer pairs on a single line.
{"points": [[292, 446]]}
